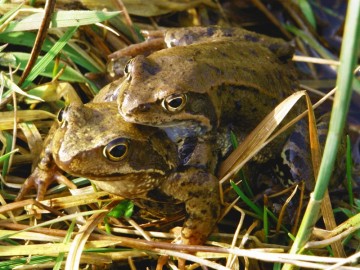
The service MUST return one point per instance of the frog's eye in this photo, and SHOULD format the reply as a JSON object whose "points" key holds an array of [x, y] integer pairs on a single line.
{"points": [[174, 103], [117, 149]]}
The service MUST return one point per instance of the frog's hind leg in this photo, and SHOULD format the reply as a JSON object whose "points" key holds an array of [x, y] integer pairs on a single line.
{"points": [[199, 190], [296, 162]]}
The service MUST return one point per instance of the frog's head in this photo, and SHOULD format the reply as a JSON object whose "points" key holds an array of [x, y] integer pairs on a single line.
{"points": [[94, 141], [171, 89]]}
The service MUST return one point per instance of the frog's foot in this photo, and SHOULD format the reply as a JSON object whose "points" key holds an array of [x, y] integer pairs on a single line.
{"points": [[200, 222], [199, 190], [162, 260], [40, 179]]}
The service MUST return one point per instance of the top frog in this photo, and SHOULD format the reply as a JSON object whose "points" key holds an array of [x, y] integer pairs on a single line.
{"points": [[224, 76]]}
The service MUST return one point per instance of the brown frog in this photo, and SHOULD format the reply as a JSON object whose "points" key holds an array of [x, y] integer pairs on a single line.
{"points": [[224, 76], [136, 162]]}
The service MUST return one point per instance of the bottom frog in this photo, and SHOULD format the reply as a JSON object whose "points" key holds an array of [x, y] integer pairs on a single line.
{"points": [[136, 162]]}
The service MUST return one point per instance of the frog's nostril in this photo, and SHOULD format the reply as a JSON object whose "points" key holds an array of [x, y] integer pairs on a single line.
{"points": [[144, 107]]}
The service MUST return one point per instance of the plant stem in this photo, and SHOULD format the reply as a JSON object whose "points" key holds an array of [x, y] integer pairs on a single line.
{"points": [[340, 109]]}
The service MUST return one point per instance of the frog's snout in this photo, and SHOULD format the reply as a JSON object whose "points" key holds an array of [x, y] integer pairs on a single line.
{"points": [[126, 112]]}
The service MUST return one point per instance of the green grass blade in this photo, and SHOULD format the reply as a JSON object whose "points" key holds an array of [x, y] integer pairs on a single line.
{"points": [[76, 54], [123, 209], [4, 80], [341, 103], [45, 61], [5, 166], [69, 74], [5, 156], [307, 11], [311, 41], [61, 19], [248, 201], [349, 166], [266, 224], [245, 183], [20, 262]]}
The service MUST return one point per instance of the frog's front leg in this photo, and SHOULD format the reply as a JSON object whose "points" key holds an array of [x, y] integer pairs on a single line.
{"points": [[45, 172], [199, 190]]}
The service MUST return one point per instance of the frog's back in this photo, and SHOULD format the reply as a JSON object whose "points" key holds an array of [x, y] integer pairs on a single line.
{"points": [[243, 80]]}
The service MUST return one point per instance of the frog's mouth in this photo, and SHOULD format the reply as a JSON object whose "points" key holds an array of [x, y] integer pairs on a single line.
{"points": [[137, 176], [175, 130], [130, 186]]}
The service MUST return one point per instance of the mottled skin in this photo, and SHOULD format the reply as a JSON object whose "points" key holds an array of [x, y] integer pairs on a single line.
{"points": [[150, 173], [150, 167], [225, 76], [78, 148], [220, 83], [220, 76]]}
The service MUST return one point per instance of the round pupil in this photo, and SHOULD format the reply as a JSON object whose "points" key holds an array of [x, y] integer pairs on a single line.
{"points": [[118, 150], [175, 102]]}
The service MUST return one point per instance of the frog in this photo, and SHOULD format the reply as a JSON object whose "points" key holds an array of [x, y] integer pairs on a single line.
{"points": [[205, 79], [136, 162], [46, 171], [173, 37]]}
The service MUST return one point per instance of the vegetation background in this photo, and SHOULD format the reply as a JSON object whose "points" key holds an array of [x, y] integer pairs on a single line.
{"points": [[52, 52]]}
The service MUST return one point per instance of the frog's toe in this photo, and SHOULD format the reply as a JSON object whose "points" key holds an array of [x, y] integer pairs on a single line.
{"points": [[162, 260], [61, 179], [34, 181], [40, 181], [25, 188], [193, 236]]}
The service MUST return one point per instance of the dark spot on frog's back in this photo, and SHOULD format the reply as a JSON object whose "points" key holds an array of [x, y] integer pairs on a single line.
{"points": [[150, 67], [218, 71], [274, 47], [224, 54], [202, 105], [298, 137], [195, 194], [214, 206], [210, 31], [251, 38], [249, 71]]}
